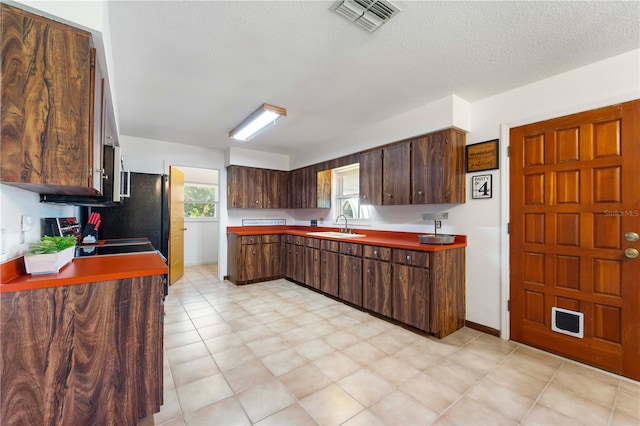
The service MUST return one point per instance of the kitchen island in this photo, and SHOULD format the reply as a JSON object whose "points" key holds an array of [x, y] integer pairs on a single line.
{"points": [[388, 273], [83, 346]]}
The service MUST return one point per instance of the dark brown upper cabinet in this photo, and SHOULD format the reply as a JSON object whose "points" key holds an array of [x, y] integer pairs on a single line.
{"points": [[437, 168], [47, 105], [253, 188], [396, 174], [371, 177]]}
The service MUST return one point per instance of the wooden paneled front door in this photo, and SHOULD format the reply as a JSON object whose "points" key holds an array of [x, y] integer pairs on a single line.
{"points": [[575, 209]]}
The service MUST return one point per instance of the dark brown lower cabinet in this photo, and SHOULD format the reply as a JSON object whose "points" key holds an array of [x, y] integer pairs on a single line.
{"points": [[351, 279], [298, 273], [411, 296], [82, 354], [330, 264], [271, 253], [289, 260], [376, 286], [312, 267]]}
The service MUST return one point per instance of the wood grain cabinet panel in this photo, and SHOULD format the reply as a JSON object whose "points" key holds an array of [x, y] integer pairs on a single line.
{"points": [[371, 177], [438, 168], [312, 267], [82, 354], [376, 286], [351, 279], [411, 302], [47, 118], [271, 257], [396, 176], [330, 272]]}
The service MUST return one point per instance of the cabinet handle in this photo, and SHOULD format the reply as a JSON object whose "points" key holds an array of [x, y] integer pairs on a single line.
{"points": [[389, 195], [375, 252], [419, 192], [369, 271], [400, 277], [355, 268], [257, 202], [408, 257], [364, 197]]}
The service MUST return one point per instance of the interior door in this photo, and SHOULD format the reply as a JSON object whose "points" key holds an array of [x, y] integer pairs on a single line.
{"points": [[575, 212], [176, 224]]}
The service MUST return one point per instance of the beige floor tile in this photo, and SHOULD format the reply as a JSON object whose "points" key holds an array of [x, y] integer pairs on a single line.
{"points": [[458, 338], [343, 321], [630, 386], [505, 401], [264, 399], [621, 419], [305, 380], [314, 349], [629, 404], [399, 408], [366, 387], [222, 413], [432, 393], [543, 416], [186, 353], [467, 411], [193, 370], [244, 376], [387, 343], [363, 353], [363, 331], [170, 410], [293, 415], [590, 372], [455, 376], [299, 335], [336, 365], [280, 326], [214, 330], [322, 328], [436, 347], [341, 339], [207, 320], [473, 361], [181, 339], [416, 357], [200, 393], [394, 370], [222, 342], [284, 361], [574, 406], [331, 405], [256, 332], [202, 312], [531, 366], [232, 357], [364, 418], [516, 380], [269, 345], [178, 327], [586, 386]]}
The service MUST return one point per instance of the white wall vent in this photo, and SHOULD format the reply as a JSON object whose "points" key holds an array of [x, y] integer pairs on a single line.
{"points": [[369, 14]]}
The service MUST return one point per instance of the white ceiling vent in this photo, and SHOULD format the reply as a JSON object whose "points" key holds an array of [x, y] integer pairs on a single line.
{"points": [[369, 14]]}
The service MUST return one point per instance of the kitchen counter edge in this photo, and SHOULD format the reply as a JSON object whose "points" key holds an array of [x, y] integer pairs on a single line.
{"points": [[393, 239], [82, 270]]}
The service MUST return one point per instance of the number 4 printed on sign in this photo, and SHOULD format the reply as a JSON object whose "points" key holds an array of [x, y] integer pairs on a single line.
{"points": [[481, 186]]}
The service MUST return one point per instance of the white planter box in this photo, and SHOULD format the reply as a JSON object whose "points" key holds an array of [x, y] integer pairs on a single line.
{"points": [[48, 263]]}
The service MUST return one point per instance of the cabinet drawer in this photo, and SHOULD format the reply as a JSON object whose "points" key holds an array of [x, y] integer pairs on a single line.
{"points": [[351, 249], [374, 252], [273, 238], [250, 239], [410, 257], [312, 242], [329, 245]]}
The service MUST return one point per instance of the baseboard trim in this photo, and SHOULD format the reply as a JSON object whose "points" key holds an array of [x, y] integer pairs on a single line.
{"points": [[483, 328]]}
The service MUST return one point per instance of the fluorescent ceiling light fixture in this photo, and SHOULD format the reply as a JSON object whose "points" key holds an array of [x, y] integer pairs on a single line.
{"points": [[265, 116]]}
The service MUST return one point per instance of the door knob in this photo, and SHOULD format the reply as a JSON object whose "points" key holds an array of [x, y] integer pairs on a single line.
{"points": [[631, 236], [631, 253]]}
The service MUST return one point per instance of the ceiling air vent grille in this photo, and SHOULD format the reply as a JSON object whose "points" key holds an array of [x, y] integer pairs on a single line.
{"points": [[369, 14]]}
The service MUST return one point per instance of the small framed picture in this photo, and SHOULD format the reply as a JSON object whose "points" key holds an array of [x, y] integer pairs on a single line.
{"points": [[482, 156], [481, 186]]}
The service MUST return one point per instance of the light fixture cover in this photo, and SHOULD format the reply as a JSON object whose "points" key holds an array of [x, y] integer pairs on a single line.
{"points": [[265, 116]]}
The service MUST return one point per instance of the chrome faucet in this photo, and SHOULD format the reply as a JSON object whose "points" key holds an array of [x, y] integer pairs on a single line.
{"points": [[346, 224]]}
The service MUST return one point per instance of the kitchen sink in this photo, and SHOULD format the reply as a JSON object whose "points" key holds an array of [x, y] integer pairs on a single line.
{"points": [[334, 234]]}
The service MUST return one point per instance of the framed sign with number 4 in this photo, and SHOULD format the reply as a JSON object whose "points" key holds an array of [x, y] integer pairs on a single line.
{"points": [[481, 186]]}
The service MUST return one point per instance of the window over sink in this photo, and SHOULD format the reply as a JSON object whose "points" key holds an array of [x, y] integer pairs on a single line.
{"points": [[347, 190]]}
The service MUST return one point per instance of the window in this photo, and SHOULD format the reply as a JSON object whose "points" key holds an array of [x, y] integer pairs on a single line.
{"points": [[200, 200], [347, 181]]}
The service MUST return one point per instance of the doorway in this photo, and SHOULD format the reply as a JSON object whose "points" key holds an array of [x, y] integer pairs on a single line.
{"points": [[574, 219]]}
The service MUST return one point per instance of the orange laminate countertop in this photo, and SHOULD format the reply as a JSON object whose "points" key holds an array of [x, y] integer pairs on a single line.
{"points": [[403, 240], [82, 270]]}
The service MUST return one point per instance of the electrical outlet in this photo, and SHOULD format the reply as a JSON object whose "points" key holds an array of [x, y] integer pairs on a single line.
{"points": [[438, 224]]}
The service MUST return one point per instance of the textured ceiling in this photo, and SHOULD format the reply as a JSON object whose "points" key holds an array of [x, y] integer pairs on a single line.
{"points": [[188, 72]]}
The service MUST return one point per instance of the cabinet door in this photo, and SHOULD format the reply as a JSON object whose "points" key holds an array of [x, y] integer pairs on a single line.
{"points": [[371, 177], [376, 286], [411, 296], [46, 89], [245, 187], [310, 188], [396, 178], [312, 267], [298, 264], [283, 189], [251, 266], [437, 168], [323, 191], [289, 259], [271, 260], [351, 279], [296, 178], [329, 276]]}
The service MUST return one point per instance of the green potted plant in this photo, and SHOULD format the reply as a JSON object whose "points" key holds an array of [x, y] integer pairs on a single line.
{"points": [[49, 255]]}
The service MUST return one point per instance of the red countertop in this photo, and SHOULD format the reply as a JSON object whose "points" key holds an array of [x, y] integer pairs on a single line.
{"points": [[404, 240], [82, 270]]}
